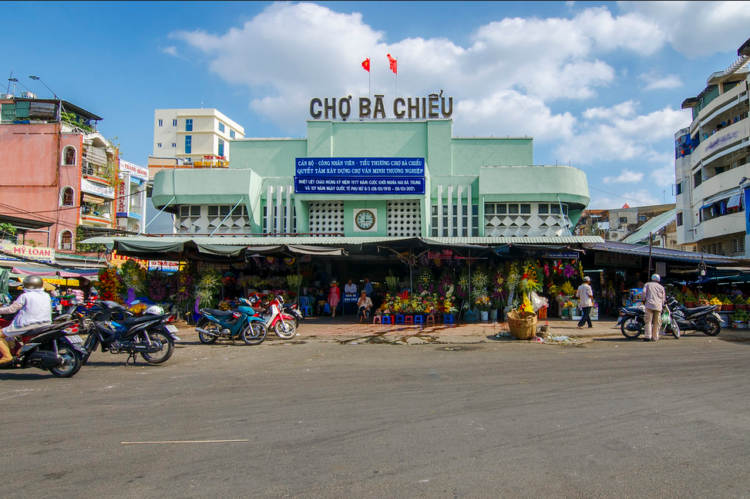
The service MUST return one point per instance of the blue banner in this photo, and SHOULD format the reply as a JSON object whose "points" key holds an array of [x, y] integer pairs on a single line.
{"points": [[359, 185], [359, 167]]}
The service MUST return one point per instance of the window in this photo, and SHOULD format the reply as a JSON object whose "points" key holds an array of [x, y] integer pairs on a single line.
{"points": [[543, 209], [174, 145], [174, 122], [190, 211], [189, 125], [231, 134], [554, 209], [67, 197], [69, 156], [513, 209], [641, 218], [678, 188], [738, 245], [161, 122], [221, 147], [623, 220], [525, 209], [679, 219], [221, 127], [66, 240], [697, 179], [158, 144], [188, 144]]}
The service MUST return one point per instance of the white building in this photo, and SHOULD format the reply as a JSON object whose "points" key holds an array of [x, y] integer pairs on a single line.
{"points": [[192, 135], [131, 196], [711, 163]]}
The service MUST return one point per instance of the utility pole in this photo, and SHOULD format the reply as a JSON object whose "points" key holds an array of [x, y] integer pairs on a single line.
{"points": [[650, 241]]}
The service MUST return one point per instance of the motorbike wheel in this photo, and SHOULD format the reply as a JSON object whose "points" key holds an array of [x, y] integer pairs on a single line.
{"points": [[712, 327], [286, 330], [631, 335], [254, 333], [675, 329], [167, 348], [73, 362], [209, 326], [91, 344]]}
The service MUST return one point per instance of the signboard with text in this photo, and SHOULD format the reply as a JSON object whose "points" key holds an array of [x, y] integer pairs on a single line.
{"points": [[15, 252], [359, 176]]}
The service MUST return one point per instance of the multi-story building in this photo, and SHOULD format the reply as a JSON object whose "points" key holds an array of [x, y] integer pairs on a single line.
{"points": [[131, 196], [56, 168], [627, 224], [711, 163], [194, 135]]}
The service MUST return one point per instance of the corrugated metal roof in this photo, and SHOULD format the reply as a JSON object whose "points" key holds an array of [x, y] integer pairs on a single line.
{"points": [[652, 225], [334, 241], [666, 254]]}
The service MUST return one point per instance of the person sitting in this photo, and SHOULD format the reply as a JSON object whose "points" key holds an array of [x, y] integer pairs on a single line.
{"points": [[364, 304], [34, 308]]}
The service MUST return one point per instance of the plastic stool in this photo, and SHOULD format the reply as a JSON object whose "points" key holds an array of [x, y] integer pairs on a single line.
{"points": [[386, 319], [376, 320], [449, 319], [429, 318], [418, 320], [399, 319], [409, 319]]}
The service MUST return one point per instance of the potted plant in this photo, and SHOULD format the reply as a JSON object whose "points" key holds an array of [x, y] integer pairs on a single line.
{"points": [[482, 302]]}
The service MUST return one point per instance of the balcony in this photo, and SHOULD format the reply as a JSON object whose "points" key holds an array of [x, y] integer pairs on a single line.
{"points": [[95, 215], [726, 225], [97, 173]]}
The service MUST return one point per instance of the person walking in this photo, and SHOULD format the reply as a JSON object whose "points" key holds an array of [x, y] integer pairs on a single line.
{"points": [[653, 296], [586, 301], [334, 296]]}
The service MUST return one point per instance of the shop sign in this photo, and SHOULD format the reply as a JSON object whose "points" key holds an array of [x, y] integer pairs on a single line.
{"points": [[561, 256], [433, 106], [440, 255], [62, 282], [118, 260], [616, 259], [163, 265], [97, 189], [123, 200], [128, 168], [15, 252], [359, 176]]}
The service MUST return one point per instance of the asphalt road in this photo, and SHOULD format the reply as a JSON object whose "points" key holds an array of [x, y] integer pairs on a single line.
{"points": [[612, 418]]}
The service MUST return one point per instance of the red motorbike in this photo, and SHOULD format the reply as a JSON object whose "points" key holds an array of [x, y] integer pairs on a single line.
{"points": [[275, 318]]}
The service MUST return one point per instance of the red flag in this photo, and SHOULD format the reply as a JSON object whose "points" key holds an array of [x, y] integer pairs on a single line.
{"points": [[366, 64], [393, 64]]}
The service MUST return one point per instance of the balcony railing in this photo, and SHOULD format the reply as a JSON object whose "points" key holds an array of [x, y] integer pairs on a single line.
{"points": [[100, 172]]}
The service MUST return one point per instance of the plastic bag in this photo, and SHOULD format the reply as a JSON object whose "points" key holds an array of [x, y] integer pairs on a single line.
{"points": [[537, 301], [327, 308]]}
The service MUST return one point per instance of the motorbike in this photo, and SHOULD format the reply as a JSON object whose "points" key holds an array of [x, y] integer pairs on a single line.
{"points": [[705, 319], [241, 323], [293, 310], [632, 321], [275, 318], [149, 336], [52, 347]]}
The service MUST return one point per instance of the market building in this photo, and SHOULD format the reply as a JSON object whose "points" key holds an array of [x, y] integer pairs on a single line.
{"points": [[711, 164]]}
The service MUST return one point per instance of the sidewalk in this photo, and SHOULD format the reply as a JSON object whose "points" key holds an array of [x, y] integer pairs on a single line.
{"points": [[346, 330]]}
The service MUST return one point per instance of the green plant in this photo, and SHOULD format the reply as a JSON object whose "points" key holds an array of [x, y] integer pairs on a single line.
{"points": [[87, 248], [7, 229]]}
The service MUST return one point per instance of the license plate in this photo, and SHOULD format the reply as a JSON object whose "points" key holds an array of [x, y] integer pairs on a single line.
{"points": [[74, 338], [172, 329]]}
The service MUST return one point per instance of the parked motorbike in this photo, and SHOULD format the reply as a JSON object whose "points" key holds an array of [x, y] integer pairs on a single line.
{"points": [[276, 319], [293, 311], [53, 347], [241, 323], [632, 322], [705, 319], [149, 336]]}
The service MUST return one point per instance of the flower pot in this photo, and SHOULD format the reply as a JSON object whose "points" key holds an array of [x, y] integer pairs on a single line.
{"points": [[727, 308], [566, 312], [484, 315], [493, 314]]}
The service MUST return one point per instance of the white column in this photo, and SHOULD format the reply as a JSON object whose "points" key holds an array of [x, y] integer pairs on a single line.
{"points": [[269, 210], [440, 211], [450, 211], [288, 209], [469, 225], [279, 213], [460, 207]]}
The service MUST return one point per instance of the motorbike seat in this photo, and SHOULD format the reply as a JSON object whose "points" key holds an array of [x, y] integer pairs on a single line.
{"points": [[691, 311], [129, 321], [218, 313], [249, 310]]}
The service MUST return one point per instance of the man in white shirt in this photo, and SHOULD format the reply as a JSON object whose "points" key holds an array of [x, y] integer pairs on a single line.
{"points": [[586, 301], [350, 296], [34, 309], [653, 298]]}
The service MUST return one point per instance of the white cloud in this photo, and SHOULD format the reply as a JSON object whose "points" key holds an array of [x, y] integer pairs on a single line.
{"points": [[640, 197], [171, 50], [664, 175], [697, 28], [655, 82], [288, 53], [625, 177]]}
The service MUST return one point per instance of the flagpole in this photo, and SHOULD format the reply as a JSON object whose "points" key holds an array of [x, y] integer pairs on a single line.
{"points": [[369, 80], [396, 77]]}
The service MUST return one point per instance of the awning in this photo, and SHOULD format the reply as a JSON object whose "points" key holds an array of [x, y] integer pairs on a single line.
{"points": [[151, 246], [734, 201], [658, 253], [316, 250], [217, 249], [90, 198], [44, 271]]}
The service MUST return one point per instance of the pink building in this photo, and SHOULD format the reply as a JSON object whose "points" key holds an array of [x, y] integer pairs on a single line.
{"points": [[56, 168]]}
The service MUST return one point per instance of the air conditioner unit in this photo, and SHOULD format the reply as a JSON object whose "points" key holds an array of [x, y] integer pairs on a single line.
{"points": [[6, 96], [28, 95]]}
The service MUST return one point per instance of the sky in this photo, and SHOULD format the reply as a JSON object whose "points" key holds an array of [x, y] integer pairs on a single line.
{"points": [[598, 85]]}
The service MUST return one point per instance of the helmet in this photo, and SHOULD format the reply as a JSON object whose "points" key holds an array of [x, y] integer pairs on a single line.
{"points": [[586, 279], [154, 310], [656, 278], [33, 282], [280, 299]]}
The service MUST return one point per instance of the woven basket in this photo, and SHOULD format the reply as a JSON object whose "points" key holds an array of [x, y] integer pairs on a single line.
{"points": [[522, 325]]}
